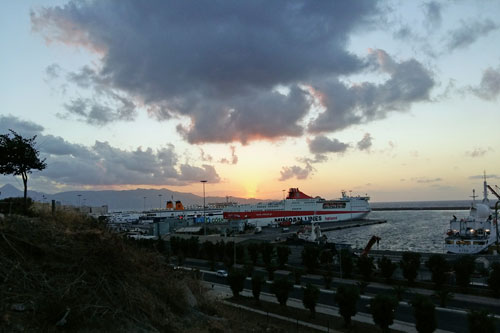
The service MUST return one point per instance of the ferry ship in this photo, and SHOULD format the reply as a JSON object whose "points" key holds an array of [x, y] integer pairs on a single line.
{"points": [[477, 232], [300, 208]]}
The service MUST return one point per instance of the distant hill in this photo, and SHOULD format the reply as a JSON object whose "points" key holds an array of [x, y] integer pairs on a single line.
{"points": [[119, 200]]}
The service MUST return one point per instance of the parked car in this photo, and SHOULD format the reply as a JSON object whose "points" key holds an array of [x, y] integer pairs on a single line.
{"points": [[285, 230], [221, 273]]}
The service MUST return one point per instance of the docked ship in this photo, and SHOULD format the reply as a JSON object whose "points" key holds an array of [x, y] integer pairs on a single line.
{"points": [[299, 208], [477, 232]]}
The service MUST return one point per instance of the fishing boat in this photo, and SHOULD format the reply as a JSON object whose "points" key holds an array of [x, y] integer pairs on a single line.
{"points": [[477, 232]]}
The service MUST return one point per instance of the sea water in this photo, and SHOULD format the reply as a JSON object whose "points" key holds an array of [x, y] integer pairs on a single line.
{"points": [[405, 230]]}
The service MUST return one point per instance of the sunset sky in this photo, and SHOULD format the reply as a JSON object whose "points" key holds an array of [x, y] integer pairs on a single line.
{"points": [[396, 99]]}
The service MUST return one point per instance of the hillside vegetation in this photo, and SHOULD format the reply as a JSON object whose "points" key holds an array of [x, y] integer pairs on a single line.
{"points": [[68, 273]]}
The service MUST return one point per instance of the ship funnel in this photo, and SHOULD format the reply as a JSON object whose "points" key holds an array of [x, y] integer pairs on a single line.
{"points": [[170, 205], [179, 206]]}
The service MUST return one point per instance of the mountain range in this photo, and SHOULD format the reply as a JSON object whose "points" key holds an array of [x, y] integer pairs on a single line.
{"points": [[137, 199]]}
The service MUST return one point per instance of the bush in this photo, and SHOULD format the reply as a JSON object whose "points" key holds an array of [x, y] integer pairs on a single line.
{"points": [[410, 264], [464, 267], [281, 288], [328, 277], [494, 279], [438, 266], [297, 274], [346, 264], [481, 321], [257, 281], [310, 298], [382, 309], [283, 252], [365, 267], [253, 252], [425, 314], [310, 257], [267, 250], [16, 206], [387, 268], [347, 297], [236, 280], [443, 295]]}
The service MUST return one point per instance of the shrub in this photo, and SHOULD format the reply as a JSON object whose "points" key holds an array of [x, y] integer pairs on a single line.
{"points": [[281, 288], [347, 297], [443, 295], [257, 281], [494, 279], [365, 267], [283, 252], [236, 280], [297, 274], [382, 309], [438, 266], [346, 264], [267, 250], [253, 252], [310, 298], [464, 267], [481, 321], [310, 256], [387, 268], [410, 264], [425, 313], [328, 277]]}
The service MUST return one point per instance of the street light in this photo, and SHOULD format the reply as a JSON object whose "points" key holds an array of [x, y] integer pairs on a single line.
{"points": [[160, 195], [145, 203], [204, 219]]}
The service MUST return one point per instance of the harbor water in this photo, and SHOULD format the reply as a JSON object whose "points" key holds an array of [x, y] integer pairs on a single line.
{"points": [[406, 230]]}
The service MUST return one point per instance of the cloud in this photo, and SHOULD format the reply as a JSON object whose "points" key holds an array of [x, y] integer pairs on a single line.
{"points": [[103, 164], [234, 157], [489, 88], [365, 143], [295, 171], [408, 82], [425, 180], [218, 65], [478, 152], [468, 33], [432, 12], [321, 145], [482, 177]]}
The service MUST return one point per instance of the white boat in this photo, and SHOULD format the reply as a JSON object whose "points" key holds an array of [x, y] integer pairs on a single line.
{"points": [[299, 208], [475, 233]]}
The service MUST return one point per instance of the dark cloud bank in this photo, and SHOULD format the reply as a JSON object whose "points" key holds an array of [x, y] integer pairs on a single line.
{"points": [[102, 164], [219, 63]]}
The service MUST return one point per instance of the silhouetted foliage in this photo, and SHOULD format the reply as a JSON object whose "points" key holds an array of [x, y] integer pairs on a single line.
{"points": [[326, 257], [399, 291], [257, 281], [310, 298], [19, 157], [425, 313], [494, 279], [382, 309], [387, 267], [464, 267], [310, 256], [267, 250], [410, 264], [236, 280], [438, 266], [240, 253], [270, 271], [328, 277], [346, 263], [208, 250], [281, 288], [16, 206], [297, 274], [366, 267], [443, 295], [481, 321], [253, 252], [347, 297], [283, 252]]}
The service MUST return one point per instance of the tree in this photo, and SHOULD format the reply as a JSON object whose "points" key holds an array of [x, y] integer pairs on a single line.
{"points": [[281, 288], [267, 253], [494, 279], [425, 313], [328, 277], [240, 253], [236, 280], [310, 256], [297, 274], [383, 308], [346, 264], [481, 321], [410, 264], [464, 267], [18, 156], [283, 253], [310, 298], [387, 268], [253, 252], [346, 297], [438, 266], [209, 252], [365, 267], [443, 295], [257, 281], [326, 257]]}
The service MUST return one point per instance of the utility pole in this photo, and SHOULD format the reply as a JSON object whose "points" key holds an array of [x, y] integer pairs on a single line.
{"points": [[204, 219]]}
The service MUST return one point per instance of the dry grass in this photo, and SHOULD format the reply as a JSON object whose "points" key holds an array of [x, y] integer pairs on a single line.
{"points": [[68, 272]]}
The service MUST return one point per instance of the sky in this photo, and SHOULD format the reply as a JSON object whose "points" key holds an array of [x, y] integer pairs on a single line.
{"points": [[395, 99]]}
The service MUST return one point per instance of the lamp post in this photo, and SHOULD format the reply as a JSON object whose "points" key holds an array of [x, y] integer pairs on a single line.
{"points": [[160, 195], [204, 219], [145, 203]]}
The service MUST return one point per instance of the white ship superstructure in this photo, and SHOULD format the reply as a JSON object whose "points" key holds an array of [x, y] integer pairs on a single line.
{"points": [[299, 208]]}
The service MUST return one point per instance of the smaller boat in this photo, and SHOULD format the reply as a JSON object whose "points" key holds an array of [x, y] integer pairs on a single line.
{"points": [[475, 233]]}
